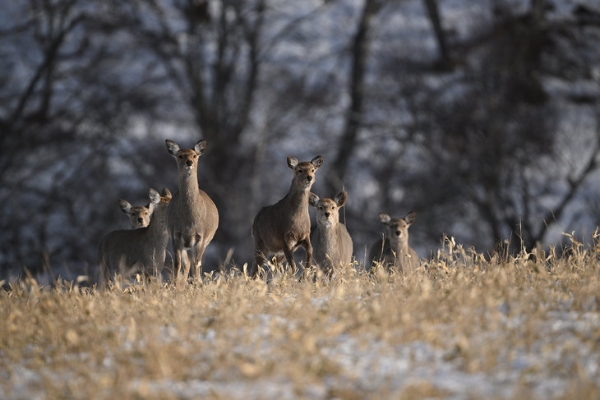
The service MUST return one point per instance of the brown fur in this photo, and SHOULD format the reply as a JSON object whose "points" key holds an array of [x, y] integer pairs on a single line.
{"points": [[393, 251], [143, 249], [332, 244], [193, 217], [285, 225], [139, 216]]}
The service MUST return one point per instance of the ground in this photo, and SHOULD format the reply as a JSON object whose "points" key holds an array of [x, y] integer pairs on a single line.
{"points": [[462, 326]]}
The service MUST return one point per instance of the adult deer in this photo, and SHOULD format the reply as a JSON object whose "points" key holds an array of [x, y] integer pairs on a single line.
{"points": [[393, 251], [332, 244], [193, 217], [144, 249], [285, 225]]}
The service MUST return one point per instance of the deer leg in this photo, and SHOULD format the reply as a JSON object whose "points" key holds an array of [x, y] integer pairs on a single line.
{"points": [[260, 258], [289, 256], [177, 267], [186, 263], [259, 261], [290, 244], [197, 254], [309, 250], [178, 249]]}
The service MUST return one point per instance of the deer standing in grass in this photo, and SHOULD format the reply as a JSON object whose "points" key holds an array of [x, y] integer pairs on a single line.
{"points": [[139, 216], [193, 217], [332, 244], [143, 249], [285, 225], [393, 251]]}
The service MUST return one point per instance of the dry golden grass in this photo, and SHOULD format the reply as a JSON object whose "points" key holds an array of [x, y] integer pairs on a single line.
{"points": [[461, 327]]}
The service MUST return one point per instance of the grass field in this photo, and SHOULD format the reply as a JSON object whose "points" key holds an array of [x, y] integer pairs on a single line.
{"points": [[462, 327]]}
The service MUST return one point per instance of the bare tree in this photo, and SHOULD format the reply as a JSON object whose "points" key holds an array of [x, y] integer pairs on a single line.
{"points": [[60, 109], [490, 132]]}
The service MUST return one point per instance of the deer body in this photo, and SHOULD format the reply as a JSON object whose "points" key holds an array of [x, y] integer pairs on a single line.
{"points": [[285, 225], [332, 244], [143, 249], [393, 251], [139, 216], [193, 217]]}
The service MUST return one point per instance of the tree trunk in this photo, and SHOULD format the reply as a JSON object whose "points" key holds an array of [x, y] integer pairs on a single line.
{"points": [[434, 16], [347, 142]]}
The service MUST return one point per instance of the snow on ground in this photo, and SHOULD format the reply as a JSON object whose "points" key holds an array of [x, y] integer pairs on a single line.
{"points": [[364, 364]]}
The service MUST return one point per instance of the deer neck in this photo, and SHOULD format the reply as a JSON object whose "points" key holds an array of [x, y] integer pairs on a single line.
{"points": [[329, 234], [297, 198], [398, 245], [188, 186], [158, 223]]}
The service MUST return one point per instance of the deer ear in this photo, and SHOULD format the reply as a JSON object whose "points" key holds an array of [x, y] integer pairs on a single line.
{"points": [[167, 193], [154, 196], [172, 147], [411, 217], [313, 199], [200, 147], [292, 162], [384, 218], [125, 205], [341, 198], [317, 161]]}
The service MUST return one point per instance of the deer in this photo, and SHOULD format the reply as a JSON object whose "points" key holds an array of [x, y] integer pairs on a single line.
{"points": [[284, 226], [392, 250], [193, 217], [332, 244], [139, 216], [144, 249]]}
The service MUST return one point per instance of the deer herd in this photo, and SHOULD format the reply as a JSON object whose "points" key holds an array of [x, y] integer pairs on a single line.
{"points": [[189, 219]]}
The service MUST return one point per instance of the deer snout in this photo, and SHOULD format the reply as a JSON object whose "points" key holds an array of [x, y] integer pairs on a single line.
{"points": [[327, 214], [189, 163], [309, 178], [140, 220], [398, 233]]}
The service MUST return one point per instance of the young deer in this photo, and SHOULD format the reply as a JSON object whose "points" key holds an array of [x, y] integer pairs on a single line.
{"points": [[143, 249], [285, 225], [193, 217], [393, 251], [332, 244], [139, 216]]}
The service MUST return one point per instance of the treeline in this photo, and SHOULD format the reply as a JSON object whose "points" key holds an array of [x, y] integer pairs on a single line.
{"points": [[483, 119]]}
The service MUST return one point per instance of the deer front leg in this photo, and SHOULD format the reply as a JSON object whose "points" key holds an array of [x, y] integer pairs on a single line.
{"points": [[177, 267], [197, 253], [259, 261], [288, 250], [308, 250]]}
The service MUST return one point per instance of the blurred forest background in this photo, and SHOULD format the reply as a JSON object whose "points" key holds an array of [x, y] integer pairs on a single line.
{"points": [[483, 116]]}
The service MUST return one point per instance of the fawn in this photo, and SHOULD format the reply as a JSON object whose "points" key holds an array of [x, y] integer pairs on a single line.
{"points": [[393, 251], [143, 249], [332, 244]]}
